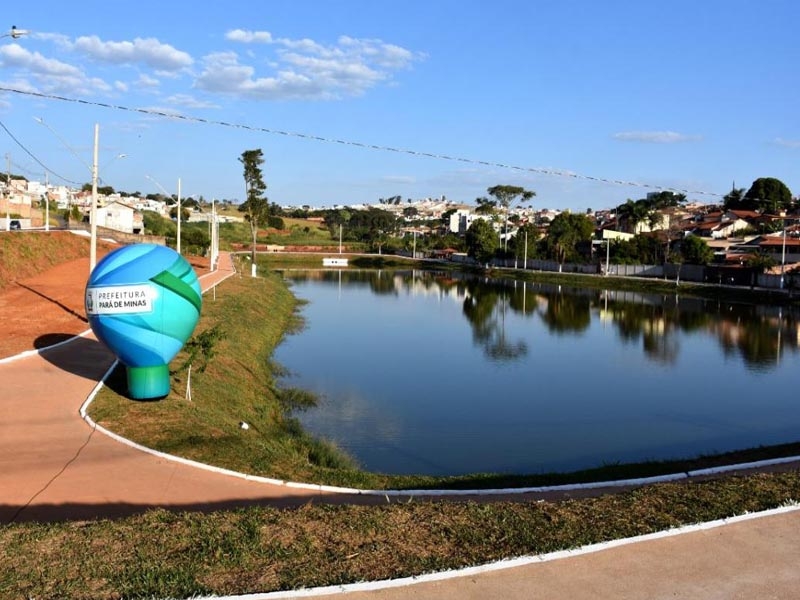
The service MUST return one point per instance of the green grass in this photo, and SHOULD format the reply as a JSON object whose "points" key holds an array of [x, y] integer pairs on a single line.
{"points": [[296, 232], [260, 549]]}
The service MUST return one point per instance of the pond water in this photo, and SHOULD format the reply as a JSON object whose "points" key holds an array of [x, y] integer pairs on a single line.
{"points": [[446, 374]]}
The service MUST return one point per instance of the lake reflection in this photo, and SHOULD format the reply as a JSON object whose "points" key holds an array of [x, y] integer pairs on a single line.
{"points": [[445, 374]]}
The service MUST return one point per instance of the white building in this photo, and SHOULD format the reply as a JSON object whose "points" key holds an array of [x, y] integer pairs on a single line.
{"points": [[119, 216], [461, 219]]}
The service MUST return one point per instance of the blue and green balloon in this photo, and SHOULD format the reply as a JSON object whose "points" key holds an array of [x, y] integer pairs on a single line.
{"points": [[143, 301]]}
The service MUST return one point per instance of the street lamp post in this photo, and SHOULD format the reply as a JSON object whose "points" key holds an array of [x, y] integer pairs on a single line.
{"points": [[214, 236], [178, 214], [93, 169], [525, 264], [46, 203], [15, 34], [783, 253], [8, 192], [93, 211]]}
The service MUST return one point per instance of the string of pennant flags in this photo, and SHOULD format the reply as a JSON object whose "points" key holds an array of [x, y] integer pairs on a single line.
{"points": [[367, 146]]}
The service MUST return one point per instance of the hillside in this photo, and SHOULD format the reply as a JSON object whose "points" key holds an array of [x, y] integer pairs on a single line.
{"points": [[25, 254], [42, 281]]}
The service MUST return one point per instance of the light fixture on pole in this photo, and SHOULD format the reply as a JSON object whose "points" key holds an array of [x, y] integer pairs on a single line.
{"points": [[15, 33]]}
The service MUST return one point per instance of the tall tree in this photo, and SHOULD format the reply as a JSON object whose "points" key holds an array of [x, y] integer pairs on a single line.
{"points": [[527, 232], [695, 251], [733, 199], [665, 199], [482, 241], [630, 214], [506, 195], [565, 232], [256, 206], [485, 206], [769, 195]]}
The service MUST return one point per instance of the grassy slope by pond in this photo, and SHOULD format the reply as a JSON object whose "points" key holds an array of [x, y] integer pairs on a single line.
{"points": [[251, 316], [243, 321]]}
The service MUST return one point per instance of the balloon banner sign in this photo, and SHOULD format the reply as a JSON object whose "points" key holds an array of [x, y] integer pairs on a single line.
{"points": [[143, 301]]}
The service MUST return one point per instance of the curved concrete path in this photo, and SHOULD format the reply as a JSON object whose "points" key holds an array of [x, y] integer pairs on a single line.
{"points": [[54, 466]]}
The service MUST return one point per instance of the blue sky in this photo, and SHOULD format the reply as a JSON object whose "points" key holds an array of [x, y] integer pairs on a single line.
{"points": [[688, 95]]}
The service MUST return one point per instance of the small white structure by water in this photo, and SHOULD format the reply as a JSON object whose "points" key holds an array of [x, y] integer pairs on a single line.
{"points": [[334, 262]]}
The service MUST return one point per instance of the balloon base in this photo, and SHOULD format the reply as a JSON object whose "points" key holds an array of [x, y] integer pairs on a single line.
{"points": [[148, 382]]}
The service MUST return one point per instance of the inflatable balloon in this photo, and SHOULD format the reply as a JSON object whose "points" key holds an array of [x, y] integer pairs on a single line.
{"points": [[143, 302]]}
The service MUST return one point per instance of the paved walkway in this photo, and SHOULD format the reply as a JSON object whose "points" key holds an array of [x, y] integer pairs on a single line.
{"points": [[54, 466], [751, 560]]}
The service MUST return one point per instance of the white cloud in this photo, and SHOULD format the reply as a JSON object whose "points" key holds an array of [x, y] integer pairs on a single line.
{"points": [[224, 75], [188, 101], [148, 51], [399, 179], [304, 69], [58, 39], [147, 81], [655, 137], [787, 143], [49, 74], [249, 37], [14, 56]]}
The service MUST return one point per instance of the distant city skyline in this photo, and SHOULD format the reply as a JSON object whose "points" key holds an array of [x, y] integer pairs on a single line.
{"points": [[586, 104]]}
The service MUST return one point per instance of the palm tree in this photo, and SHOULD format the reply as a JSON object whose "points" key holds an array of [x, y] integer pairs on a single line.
{"points": [[630, 214]]}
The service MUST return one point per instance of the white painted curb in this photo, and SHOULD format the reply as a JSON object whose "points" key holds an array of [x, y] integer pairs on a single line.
{"points": [[28, 353]]}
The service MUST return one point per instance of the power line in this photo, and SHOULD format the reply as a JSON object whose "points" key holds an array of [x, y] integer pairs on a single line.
{"points": [[316, 138], [29, 153]]}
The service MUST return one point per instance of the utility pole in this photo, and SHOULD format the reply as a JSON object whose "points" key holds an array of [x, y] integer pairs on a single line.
{"points": [[8, 191], [93, 211], [46, 204], [525, 264], [214, 235], [178, 241], [783, 252]]}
